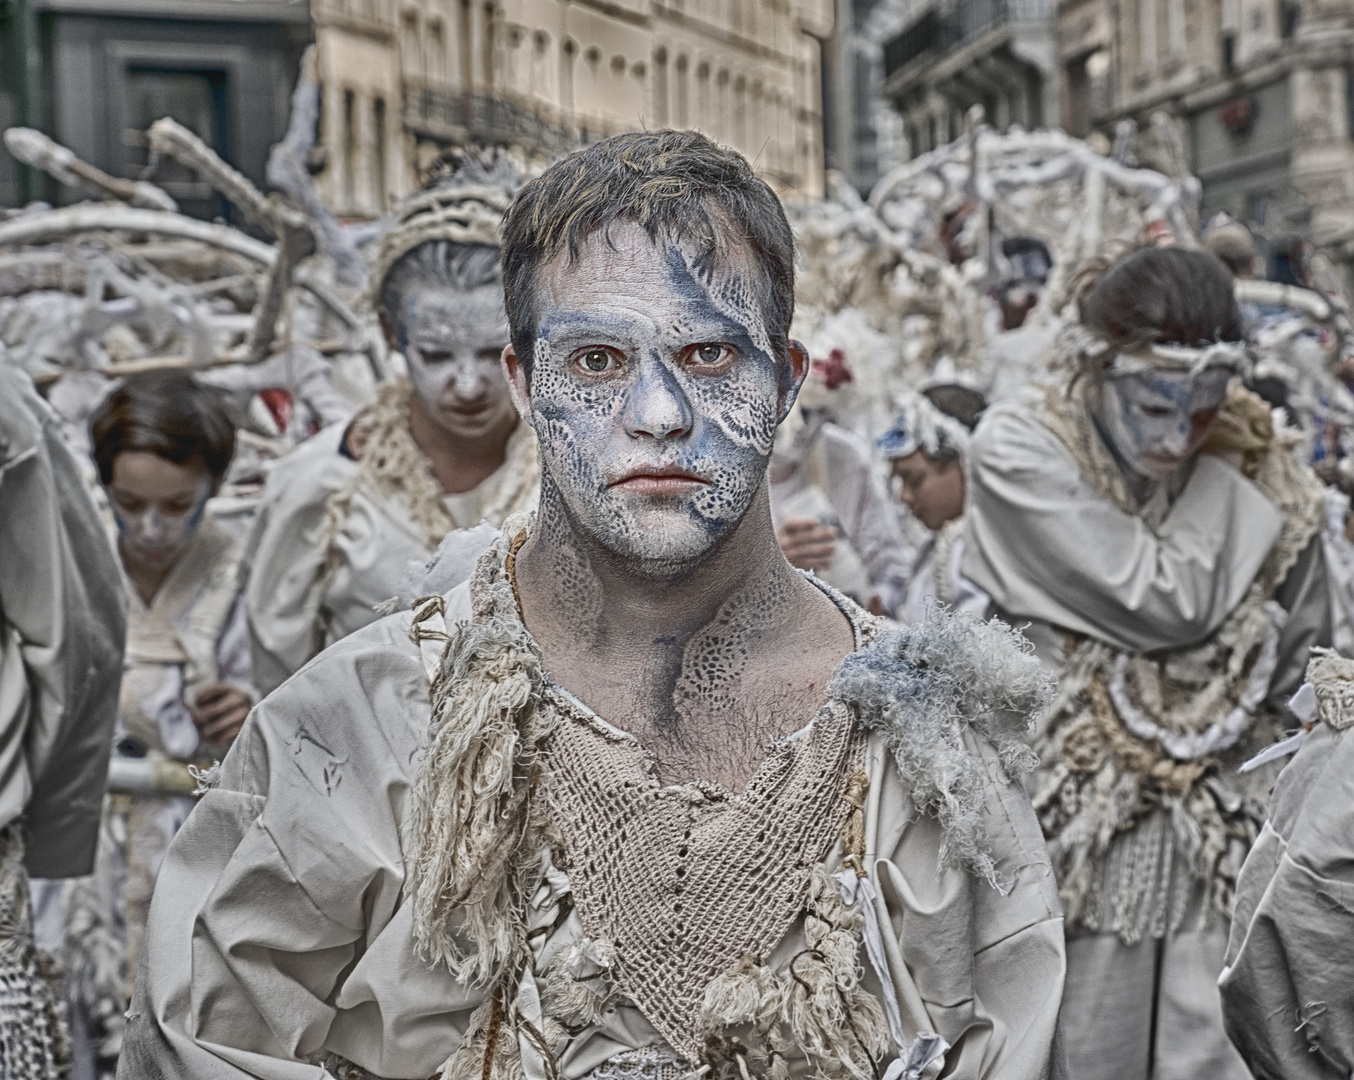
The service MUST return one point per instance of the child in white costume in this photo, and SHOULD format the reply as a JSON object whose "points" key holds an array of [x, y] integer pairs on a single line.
{"points": [[925, 448], [345, 513]]}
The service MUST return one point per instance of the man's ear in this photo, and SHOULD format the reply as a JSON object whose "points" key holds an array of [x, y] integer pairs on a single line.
{"points": [[799, 370], [517, 383], [388, 330]]}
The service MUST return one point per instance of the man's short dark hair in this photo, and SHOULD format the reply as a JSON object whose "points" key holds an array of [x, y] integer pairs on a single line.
{"points": [[678, 186], [166, 413]]}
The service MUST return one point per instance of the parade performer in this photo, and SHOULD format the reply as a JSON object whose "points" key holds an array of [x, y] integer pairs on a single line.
{"points": [[162, 444], [343, 515], [62, 623], [1288, 985], [830, 508], [639, 799], [926, 447], [1151, 528]]}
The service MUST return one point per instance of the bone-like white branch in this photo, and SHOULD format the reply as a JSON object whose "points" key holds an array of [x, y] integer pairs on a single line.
{"points": [[169, 137], [1277, 294], [56, 225], [287, 171], [37, 150]]}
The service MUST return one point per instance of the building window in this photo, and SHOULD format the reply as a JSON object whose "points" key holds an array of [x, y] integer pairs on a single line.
{"points": [[378, 157], [1147, 35], [490, 28], [683, 110], [568, 50], [409, 43], [349, 149], [465, 76], [660, 87], [437, 52]]}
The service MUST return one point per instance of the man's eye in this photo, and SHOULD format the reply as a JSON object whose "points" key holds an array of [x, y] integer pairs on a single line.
{"points": [[1156, 411], [709, 353], [595, 361]]}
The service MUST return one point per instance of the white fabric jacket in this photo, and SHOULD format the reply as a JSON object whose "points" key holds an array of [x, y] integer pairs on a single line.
{"points": [[1053, 553], [63, 620], [294, 612], [281, 931], [1288, 983]]}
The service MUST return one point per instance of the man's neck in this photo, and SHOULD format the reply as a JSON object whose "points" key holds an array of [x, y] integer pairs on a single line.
{"points": [[675, 652], [460, 464]]}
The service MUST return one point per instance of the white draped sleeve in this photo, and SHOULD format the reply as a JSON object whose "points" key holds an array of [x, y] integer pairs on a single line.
{"points": [[1045, 545], [63, 620]]}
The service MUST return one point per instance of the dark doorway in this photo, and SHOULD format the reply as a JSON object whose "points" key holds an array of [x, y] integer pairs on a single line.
{"points": [[196, 98]]}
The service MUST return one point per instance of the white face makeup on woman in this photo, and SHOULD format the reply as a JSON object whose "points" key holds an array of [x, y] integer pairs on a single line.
{"points": [[1157, 420], [157, 505], [452, 342], [655, 393]]}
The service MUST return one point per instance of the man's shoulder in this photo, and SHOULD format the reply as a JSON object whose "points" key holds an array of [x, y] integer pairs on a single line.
{"points": [[946, 695], [366, 697]]}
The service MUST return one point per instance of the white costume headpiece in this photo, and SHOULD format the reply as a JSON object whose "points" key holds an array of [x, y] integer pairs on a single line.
{"points": [[922, 426], [1078, 347]]}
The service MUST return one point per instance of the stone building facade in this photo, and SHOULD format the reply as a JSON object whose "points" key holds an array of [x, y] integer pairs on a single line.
{"points": [[404, 78], [949, 55], [1261, 94]]}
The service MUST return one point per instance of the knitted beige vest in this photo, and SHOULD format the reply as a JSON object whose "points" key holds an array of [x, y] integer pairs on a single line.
{"points": [[687, 880]]}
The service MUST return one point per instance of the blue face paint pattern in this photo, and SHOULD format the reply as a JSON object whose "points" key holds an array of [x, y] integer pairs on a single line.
{"points": [[1157, 420], [688, 382], [157, 535]]}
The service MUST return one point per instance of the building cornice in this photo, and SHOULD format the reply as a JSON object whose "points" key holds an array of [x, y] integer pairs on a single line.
{"points": [[263, 11], [717, 33], [1215, 89]]}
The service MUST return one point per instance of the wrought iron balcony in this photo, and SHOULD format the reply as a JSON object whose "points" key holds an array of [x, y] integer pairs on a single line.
{"points": [[447, 115], [942, 28]]}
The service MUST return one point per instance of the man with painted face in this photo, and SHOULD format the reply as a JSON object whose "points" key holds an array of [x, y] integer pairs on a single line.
{"points": [[1151, 528], [639, 799], [344, 515]]}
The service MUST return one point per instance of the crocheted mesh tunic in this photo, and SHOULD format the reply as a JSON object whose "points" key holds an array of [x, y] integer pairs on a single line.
{"points": [[687, 880]]}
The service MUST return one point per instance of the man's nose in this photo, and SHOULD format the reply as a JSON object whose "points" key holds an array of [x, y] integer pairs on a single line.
{"points": [[658, 406]]}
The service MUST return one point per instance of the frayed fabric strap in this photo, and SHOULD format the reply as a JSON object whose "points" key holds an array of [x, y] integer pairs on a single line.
{"points": [[429, 632], [912, 1057]]}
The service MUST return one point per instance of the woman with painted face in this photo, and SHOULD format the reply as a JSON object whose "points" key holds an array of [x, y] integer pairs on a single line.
{"points": [[925, 449], [1150, 526], [440, 449], [161, 443]]}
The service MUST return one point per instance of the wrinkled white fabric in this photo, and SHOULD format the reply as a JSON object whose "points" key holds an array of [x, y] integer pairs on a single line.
{"points": [[1047, 547], [280, 930], [837, 471], [923, 588], [293, 611], [1288, 981], [62, 626]]}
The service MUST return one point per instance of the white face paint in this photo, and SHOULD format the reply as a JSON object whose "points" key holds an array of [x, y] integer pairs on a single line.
{"points": [[1157, 420], [655, 396], [452, 342], [157, 506]]}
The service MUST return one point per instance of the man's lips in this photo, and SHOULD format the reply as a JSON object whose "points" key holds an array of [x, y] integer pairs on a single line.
{"points": [[658, 480]]}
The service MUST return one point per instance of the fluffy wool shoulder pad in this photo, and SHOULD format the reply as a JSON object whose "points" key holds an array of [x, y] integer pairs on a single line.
{"points": [[922, 687]]}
